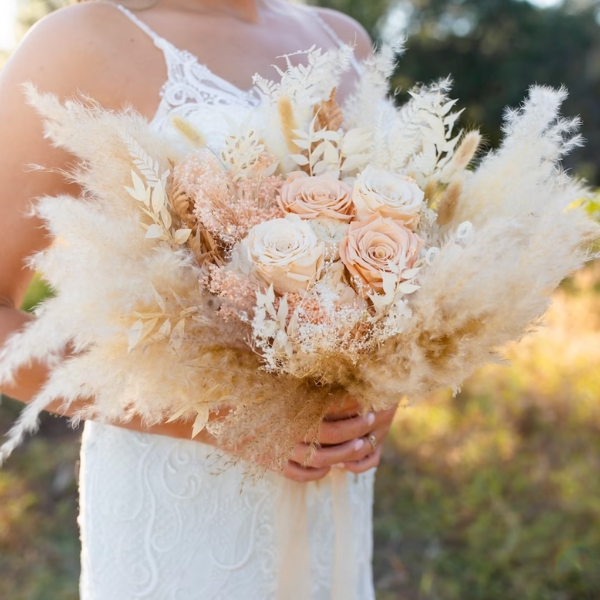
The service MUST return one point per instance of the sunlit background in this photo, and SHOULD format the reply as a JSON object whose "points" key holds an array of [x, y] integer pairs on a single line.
{"points": [[491, 495], [8, 24]]}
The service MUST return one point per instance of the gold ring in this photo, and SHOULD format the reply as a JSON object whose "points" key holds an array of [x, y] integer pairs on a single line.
{"points": [[373, 441]]}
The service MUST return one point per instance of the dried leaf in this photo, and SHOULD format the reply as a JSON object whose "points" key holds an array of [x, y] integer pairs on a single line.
{"points": [[408, 288], [410, 273], [159, 299], [329, 113], [177, 415], [158, 199], [154, 232], [181, 236], [299, 159], [139, 190], [134, 334], [203, 414], [165, 329], [165, 216], [147, 329]]}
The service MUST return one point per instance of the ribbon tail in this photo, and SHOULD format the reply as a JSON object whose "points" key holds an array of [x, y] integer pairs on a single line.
{"points": [[294, 581], [343, 582]]}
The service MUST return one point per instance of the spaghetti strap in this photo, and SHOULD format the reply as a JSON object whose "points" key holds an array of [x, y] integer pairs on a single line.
{"points": [[334, 36], [158, 41]]}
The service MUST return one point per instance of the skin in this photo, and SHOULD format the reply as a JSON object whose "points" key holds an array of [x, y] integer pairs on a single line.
{"points": [[70, 52]]}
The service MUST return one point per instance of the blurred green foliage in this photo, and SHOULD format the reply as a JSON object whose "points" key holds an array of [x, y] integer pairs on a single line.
{"points": [[494, 494], [39, 543], [37, 291]]}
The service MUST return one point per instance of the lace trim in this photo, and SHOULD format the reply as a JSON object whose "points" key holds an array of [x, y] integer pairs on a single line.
{"points": [[190, 82]]}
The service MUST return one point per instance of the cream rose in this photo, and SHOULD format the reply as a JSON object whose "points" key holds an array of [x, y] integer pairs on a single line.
{"points": [[285, 253], [377, 246], [314, 197], [380, 192]]}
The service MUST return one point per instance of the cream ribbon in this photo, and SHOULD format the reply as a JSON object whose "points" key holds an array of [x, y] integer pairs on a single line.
{"points": [[294, 549]]}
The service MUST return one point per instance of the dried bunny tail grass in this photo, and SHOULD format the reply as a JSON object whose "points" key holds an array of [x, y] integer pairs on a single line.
{"points": [[449, 202], [189, 132], [288, 122], [463, 156]]}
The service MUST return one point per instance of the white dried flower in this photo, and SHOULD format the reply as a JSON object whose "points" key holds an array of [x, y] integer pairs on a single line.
{"points": [[464, 233], [432, 255], [330, 232]]}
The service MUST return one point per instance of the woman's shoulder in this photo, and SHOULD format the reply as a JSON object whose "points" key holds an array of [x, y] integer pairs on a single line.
{"points": [[348, 30], [78, 48], [74, 32]]}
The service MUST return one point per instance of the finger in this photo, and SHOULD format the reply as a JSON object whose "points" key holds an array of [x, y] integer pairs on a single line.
{"points": [[380, 435], [339, 432], [366, 464], [296, 472], [353, 450]]}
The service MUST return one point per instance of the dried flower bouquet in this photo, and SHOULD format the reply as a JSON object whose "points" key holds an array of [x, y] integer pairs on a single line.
{"points": [[320, 248]]}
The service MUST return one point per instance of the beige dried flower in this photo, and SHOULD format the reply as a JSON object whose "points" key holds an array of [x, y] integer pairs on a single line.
{"points": [[377, 247]]}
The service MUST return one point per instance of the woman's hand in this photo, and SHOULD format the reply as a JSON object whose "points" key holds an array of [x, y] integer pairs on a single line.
{"points": [[346, 440]]}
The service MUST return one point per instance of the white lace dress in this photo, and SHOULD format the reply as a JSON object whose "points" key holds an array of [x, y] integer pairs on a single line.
{"points": [[157, 519]]}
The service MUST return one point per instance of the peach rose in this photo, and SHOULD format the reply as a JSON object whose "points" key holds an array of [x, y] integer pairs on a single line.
{"points": [[314, 197], [376, 246], [380, 192], [285, 253]]}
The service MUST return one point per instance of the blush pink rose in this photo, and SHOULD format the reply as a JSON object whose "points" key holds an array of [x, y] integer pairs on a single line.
{"points": [[376, 246], [316, 197]]}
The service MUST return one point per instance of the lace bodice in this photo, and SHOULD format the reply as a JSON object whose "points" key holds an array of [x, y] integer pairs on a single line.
{"points": [[158, 520], [191, 86]]}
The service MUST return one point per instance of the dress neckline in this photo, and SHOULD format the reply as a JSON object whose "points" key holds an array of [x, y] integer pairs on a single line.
{"points": [[165, 45], [252, 92]]}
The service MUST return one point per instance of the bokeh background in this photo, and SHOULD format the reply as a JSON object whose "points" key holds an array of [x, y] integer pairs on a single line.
{"points": [[490, 495]]}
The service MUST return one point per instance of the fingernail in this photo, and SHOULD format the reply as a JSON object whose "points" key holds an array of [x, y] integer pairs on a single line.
{"points": [[371, 418], [358, 444], [339, 466]]}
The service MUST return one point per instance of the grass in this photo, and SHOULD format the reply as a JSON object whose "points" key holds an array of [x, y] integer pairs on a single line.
{"points": [[491, 495]]}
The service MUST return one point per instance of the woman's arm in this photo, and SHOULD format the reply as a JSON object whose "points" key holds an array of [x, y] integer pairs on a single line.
{"points": [[67, 53]]}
